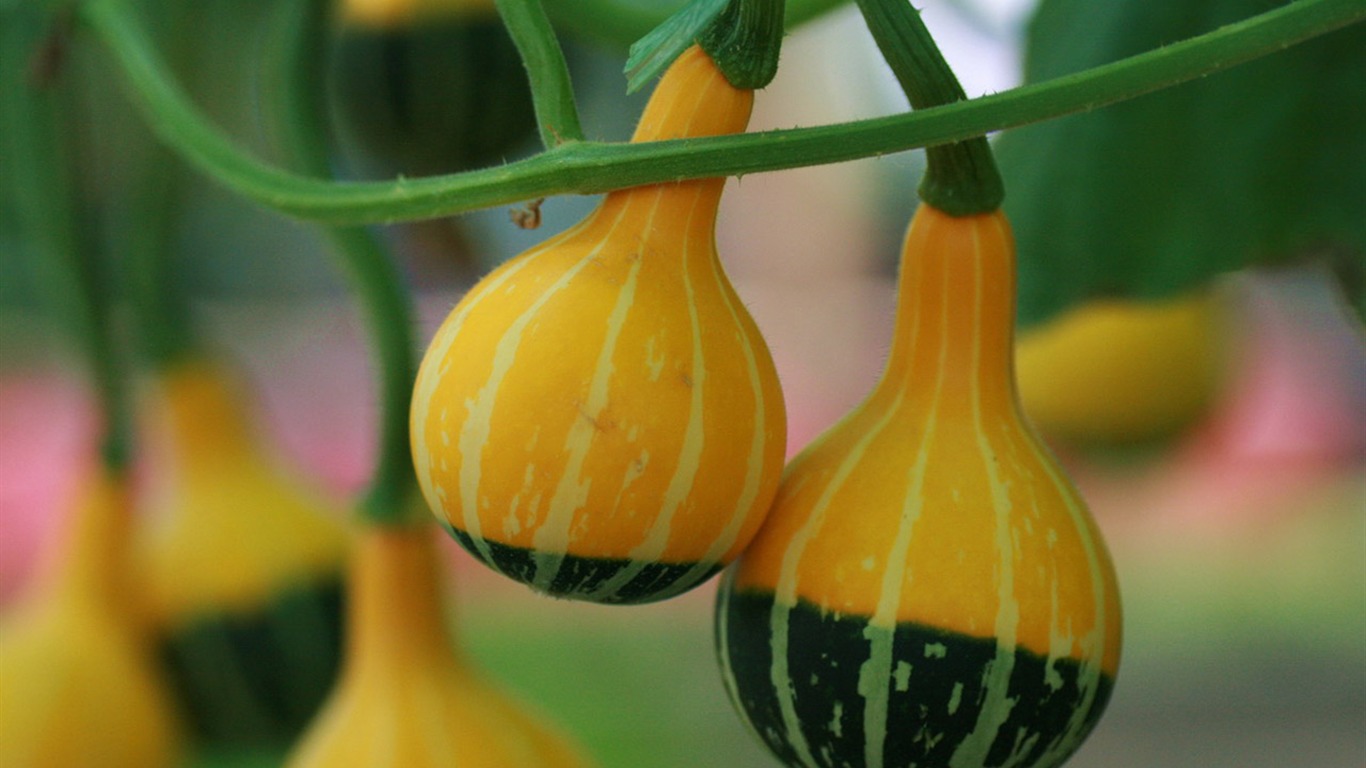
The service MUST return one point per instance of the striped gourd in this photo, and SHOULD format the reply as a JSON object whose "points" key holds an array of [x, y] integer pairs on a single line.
{"points": [[406, 697], [79, 685], [599, 417], [240, 567], [928, 589]]}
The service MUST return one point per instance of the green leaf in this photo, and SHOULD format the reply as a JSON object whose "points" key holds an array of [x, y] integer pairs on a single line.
{"points": [[652, 53], [1262, 164]]}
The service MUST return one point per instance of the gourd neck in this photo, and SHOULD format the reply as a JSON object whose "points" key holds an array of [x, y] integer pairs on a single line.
{"points": [[395, 615], [955, 319], [204, 417], [693, 99]]}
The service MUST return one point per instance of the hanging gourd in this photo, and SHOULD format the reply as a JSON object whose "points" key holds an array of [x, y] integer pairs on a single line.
{"points": [[599, 417], [241, 566], [1114, 372], [79, 685], [406, 697], [428, 86], [928, 588]]}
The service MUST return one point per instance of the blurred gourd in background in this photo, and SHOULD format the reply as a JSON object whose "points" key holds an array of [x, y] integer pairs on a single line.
{"points": [[241, 564], [1124, 372], [407, 698], [423, 87], [79, 684]]}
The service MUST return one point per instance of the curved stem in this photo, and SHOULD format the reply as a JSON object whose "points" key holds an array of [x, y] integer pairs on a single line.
{"points": [[589, 167], [961, 178], [66, 269], [552, 93], [374, 277]]}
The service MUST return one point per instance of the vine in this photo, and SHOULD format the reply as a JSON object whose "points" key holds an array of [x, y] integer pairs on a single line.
{"points": [[588, 167]]}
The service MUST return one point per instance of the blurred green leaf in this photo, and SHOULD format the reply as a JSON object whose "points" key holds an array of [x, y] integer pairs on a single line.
{"points": [[1263, 164]]}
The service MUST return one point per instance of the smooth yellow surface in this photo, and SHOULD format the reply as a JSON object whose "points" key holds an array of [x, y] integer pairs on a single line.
{"points": [[406, 698], [606, 394], [78, 685], [933, 502], [1124, 371], [225, 528]]}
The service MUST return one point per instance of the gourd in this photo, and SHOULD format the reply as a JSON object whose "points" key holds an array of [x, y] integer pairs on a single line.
{"points": [[78, 682], [928, 588], [599, 417], [428, 86], [1120, 371], [406, 698], [241, 566]]}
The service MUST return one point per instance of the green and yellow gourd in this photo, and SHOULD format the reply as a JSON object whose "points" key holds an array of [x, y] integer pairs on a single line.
{"points": [[241, 565], [429, 86], [79, 683], [928, 589], [599, 417], [406, 698]]}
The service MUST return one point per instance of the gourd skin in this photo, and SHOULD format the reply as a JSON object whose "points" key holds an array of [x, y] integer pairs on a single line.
{"points": [[928, 588], [406, 698], [79, 686], [599, 417], [240, 565], [1117, 372]]}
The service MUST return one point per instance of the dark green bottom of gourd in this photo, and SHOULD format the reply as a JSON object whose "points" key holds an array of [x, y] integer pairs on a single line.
{"points": [[256, 679], [934, 694], [588, 578]]}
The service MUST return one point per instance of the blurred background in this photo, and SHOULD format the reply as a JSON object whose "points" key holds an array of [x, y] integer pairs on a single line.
{"points": [[1238, 525]]}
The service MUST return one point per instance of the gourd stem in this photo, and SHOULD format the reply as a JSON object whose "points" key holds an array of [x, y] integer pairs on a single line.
{"points": [[373, 275], [66, 268], [552, 93], [593, 167], [160, 308], [961, 178], [745, 40]]}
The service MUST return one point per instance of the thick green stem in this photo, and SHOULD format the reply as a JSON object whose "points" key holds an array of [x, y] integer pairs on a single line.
{"points": [[590, 167], [552, 93], [374, 277], [745, 40], [961, 178], [66, 268]]}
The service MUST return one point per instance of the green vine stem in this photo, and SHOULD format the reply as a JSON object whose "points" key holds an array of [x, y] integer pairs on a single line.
{"points": [[66, 268], [592, 167], [552, 93], [961, 178], [390, 318]]}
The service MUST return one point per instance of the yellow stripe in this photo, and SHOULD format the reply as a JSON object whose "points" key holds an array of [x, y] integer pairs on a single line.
{"points": [[429, 381], [651, 549], [881, 630], [475, 431], [551, 539], [995, 707]]}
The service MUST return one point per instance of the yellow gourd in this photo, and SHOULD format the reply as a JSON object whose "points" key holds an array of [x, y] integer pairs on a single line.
{"points": [[599, 417], [388, 14], [406, 697], [79, 687], [1113, 371], [928, 589], [241, 567]]}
